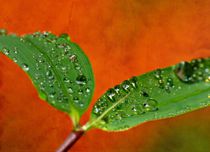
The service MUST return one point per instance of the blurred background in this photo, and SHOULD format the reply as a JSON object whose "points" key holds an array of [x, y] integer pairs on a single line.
{"points": [[122, 38]]}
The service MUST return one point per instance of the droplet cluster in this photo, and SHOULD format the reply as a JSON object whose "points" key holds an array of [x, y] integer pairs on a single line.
{"points": [[75, 79], [195, 71], [165, 83], [144, 94], [122, 107], [56, 66]]}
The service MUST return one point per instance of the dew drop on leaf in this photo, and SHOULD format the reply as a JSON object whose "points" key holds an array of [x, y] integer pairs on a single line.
{"points": [[81, 80], [76, 99], [117, 89], [137, 109], [6, 51], [126, 85], [150, 105], [65, 79], [207, 79], [49, 74], [96, 110], [118, 116], [70, 90], [170, 82], [134, 81], [25, 67], [65, 36], [144, 93], [77, 67], [15, 60], [52, 94], [111, 94], [191, 72], [3, 32], [81, 104], [53, 102], [15, 50], [87, 90], [80, 92], [73, 58]]}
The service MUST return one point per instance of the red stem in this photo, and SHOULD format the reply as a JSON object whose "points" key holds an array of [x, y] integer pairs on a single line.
{"points": [[70, 141]]}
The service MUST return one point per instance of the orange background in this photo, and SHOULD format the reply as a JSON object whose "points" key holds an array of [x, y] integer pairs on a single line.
{"points": [[122, 38]]}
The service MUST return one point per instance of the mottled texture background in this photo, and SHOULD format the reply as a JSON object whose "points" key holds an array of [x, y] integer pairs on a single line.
{"points": [[122, 38]]}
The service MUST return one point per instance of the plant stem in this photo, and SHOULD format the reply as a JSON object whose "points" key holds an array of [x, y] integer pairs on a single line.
{"points": [[70, 140]]}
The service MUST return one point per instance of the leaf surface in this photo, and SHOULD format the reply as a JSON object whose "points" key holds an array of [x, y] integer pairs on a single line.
{"points": [[58, 68], [159, 94]]}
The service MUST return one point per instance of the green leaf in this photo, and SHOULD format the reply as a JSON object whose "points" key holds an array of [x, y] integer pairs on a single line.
{"points": [[58, 68], [159, 94]]}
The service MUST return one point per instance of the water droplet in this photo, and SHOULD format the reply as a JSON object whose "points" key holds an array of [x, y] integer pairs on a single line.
{"points": [[76, 100], [53, 102], [3, 32], [117, 89], [15, 60], [59, 99], [161, 83], [22, 40], [65, 79], [25, 67], [87, 90], [63, 68], [150, 105], [134, 109], [179, 87], [100, 106], [81, 80], [65, 36], [118, 116], [169, 85], [66, 51], [191, 72], [40, 60], [81, 104], [137, 109], [111, 94], [208, 79], [73, 58], [70, 90], [46, 33], [170, 82], [96, 110], [134, 81], [49, 74], [80, 91], [158, 74], [144, 93], [125, 127], [77, 67], [15, 50], [126, 86], [187, 108], [52, 94], [5, 51]]}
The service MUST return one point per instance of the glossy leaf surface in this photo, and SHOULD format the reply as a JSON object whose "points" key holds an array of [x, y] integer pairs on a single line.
{"points": [[58, 68], [159, 94]]}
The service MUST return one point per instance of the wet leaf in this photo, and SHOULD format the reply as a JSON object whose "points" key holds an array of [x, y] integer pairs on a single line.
{"points": [[159, 94], [58, 68]]}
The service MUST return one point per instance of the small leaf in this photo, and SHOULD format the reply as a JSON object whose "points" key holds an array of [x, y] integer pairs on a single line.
{"points": [[57, 67], [159, 94]]}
